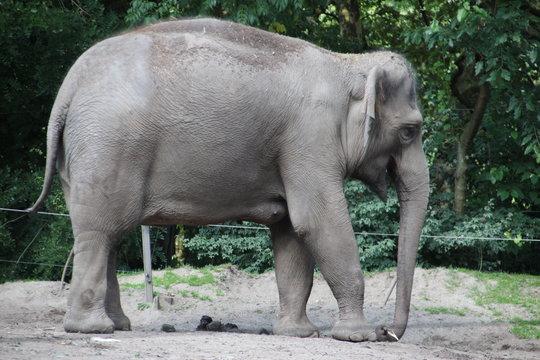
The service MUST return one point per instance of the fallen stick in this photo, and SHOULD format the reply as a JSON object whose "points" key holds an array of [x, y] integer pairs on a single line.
{"points": [[390, 292], [64, 271]]}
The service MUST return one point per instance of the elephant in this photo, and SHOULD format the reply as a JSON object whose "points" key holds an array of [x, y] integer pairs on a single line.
{"points": [[202, 121]]}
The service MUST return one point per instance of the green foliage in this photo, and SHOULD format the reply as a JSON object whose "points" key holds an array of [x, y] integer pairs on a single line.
{"points": [[248, 249], [246, 12], [448, 240], [499, 42], [40, 39], [369, 214], [35, 238], [453, 246]]}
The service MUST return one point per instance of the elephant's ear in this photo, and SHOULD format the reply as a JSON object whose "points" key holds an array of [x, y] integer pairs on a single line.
{"points": [[370, 101]]}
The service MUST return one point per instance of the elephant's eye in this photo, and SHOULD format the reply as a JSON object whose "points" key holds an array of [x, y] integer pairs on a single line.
{"points": [[408, 133]]}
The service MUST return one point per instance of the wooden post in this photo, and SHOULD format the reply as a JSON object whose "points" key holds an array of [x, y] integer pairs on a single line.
{"points": [[147, 261]]}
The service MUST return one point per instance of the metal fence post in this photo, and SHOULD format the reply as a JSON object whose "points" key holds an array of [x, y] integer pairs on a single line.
{"points": [[147, 261]]}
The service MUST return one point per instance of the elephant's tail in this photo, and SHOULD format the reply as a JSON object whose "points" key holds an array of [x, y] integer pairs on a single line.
{"points": [[55, 132]]}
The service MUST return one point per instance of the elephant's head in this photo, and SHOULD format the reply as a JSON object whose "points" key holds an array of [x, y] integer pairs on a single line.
{"points": [[387, 118]]}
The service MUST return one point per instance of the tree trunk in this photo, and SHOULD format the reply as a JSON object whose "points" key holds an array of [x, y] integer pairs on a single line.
{"points": [[349, 22], [463, 144]]}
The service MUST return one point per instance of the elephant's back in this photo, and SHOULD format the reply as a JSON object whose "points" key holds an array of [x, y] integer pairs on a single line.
{"points": [[226, 32]]}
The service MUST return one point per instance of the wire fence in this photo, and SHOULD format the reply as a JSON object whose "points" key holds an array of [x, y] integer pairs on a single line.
{"points": [[240, 227], [59, 265], [264, 228]]}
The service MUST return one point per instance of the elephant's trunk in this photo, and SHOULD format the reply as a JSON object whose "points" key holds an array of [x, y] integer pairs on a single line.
{"points": [[410, 174]]}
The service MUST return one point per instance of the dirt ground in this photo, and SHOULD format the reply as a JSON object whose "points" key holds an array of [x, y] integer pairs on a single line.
{"points": [[31, 322]]}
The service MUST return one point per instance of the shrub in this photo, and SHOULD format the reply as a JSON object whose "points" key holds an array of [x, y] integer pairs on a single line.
{"points": [[248, 249]]}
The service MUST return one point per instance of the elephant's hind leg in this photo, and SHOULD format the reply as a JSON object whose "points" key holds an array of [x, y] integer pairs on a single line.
{"points": [[86, 302], [294, 275], [113, 307]]}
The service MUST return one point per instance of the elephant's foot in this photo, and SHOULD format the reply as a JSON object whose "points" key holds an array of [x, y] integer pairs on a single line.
{"points": [[299, 328], [355, 329], [121, 321], [88, 322]]}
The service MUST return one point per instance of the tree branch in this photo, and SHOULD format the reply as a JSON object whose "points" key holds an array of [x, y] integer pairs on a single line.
{"points": [[423, 12], [469, 132]]}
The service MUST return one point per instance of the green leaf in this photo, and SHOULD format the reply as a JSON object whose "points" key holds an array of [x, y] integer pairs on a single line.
{"points": [[503, 194], [517, 194], [480, 11], [478, 67], [533, 55], [461, 14], [501, 39]]}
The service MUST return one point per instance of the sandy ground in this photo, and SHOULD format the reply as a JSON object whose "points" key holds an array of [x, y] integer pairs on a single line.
{"points": [[31, 322]]}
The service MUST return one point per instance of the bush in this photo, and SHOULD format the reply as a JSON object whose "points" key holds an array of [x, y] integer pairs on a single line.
{"points": [[248, 249], [40, 40], [446, 241], [31, 238], [370, 215], [455, 247]]}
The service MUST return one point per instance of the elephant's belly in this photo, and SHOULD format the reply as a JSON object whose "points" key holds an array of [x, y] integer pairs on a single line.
{"points": [[268, 211]]}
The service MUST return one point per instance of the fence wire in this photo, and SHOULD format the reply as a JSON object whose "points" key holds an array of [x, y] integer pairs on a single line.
{"points": [[264, 228], [247, 227]]}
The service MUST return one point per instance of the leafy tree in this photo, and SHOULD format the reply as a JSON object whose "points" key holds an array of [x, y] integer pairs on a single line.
{"points": [[40, 39], [493, 48]]}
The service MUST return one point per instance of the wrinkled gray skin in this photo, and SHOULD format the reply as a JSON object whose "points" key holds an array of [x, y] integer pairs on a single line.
{"points": [[202, 121]]}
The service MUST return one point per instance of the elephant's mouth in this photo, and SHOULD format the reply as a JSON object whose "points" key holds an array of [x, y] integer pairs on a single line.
{"points": [[380, 188], [378, 183]]}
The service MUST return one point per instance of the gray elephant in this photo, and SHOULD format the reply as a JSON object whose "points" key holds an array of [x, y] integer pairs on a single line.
{"points": [[202, 121]]}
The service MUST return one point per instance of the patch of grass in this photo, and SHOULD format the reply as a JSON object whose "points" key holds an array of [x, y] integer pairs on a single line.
{"points": [[220, 292], [132, 286], [516, 289], [195, 295], [143, 306], [454, 282], [216, 268], [182, 308], [169, 278], [519, 290], [526, 329], [444, 310]]}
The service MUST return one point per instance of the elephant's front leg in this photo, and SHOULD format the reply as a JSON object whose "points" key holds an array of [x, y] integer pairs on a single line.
{"points": [[113, 306], [86, 302], [320, 218], [294, 276]]}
